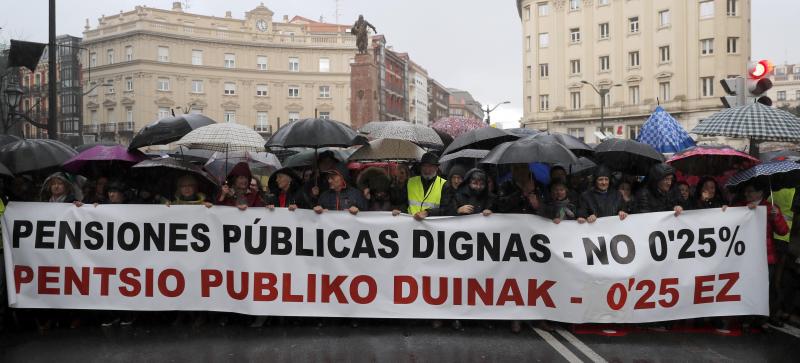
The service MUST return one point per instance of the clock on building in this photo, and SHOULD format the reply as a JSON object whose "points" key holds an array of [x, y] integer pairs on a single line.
{"points": [[261, 25]]}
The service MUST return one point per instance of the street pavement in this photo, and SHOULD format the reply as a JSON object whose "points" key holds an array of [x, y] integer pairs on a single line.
{"points": [[391, 341]]}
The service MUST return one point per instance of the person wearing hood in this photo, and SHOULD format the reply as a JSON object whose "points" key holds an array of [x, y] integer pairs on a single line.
{"points": [[375, 184], [455, 178], [658, 195], [601, 200], [519, 195], [340, 195], [472, 196], [286, 191], [425, 190], [58, 188], [240, 195]]}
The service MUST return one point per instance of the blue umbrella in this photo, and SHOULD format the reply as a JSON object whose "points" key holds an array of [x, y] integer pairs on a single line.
{"points": [[664, 133], [777, 175]]}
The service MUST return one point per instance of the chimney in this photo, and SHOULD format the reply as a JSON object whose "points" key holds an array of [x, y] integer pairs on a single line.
{"points": [[176, 6], [228, 14]]}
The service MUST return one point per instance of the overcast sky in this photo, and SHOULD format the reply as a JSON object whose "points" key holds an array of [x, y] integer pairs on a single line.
{"points": [[473, 45]]}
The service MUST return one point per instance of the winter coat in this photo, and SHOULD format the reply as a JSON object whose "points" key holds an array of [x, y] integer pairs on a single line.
{"points": [[511, 199], [342, 200], [248, 197], [650, 199], [467, 196], [775, 224], [561, 209], [600, 204], [295, 195], [73, 192]]}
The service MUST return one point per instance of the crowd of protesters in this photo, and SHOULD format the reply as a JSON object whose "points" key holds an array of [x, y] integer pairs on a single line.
{"points": [[427, 189]]}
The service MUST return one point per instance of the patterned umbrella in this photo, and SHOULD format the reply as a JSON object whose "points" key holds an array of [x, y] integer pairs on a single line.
{"points": [[754, 121], [388, 149], [403, 130], [485, 138], [779, 155], [168, 130], [711, 160], [117, 155], [35, 154], [313, 133], [628, 156], [777, 175], [457, 126], [465, 154], [224, 137], [664, 133], [260, 163]]}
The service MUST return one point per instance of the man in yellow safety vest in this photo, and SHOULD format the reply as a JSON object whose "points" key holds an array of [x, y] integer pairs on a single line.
{"points": [[425, 190]]}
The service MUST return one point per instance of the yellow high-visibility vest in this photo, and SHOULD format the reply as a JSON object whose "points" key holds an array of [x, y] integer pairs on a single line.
{"points": [[418, 200], [783, 198]]}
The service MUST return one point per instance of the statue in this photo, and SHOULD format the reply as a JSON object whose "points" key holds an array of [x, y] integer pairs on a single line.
{"points": [[360, 30]]}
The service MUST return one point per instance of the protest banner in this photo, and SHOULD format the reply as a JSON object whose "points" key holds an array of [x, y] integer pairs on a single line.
{"points": [[649, 267]]}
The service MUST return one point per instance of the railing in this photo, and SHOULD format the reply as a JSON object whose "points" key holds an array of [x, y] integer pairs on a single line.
{"points": [[125, 126], [91, 129], [263, 128], [109, 127]]}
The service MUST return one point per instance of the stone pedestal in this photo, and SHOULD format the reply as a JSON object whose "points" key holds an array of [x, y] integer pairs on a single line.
{"points": [[363, 91]]}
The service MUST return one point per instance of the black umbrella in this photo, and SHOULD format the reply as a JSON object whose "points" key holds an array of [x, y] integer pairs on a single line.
{"points": [[165, 168], [584, 165], [578, 147], [521, 131], [483, 139], [35, 154], [465, 154], [528, 150], [5, 172], [313, 133], [308, 157], [627, 156], [446, 139], [168, 130], [7, 139]]}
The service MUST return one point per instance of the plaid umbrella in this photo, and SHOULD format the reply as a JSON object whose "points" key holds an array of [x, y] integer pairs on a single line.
{"points": [[664, 133], [457, 126], [260, 163], [711, 160], [224, 137], [628, 156], [403, 130], [754, 121], [777, 175]]}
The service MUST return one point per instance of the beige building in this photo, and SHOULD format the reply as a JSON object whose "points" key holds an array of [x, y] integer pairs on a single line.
{"points": [[252, 71], [643, 52], [785, 91], [417, 80]]}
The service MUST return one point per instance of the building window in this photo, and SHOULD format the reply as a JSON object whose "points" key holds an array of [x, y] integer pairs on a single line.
{"points": [[262, 120], [129, 114], [93, 117], [663, 91], [707, 86], [110, 87], [294, 92], [197, 57], [544, 40], [128, 53], [163, 84], [544, 70], [129, 84], [261, 63], [606, 99], [633, 59], [575, 35], [732, 8], [324, 65], [633, 91], [633, 24], [781, 95], [230, 89], [634, 131], [605, 63], [574, 5], [196, 111], [294, 64], [163, 54], [544, 102], [111, 117], [262, 90], [229, 116], [529, 73], [324, 115], [527, 12], [110, 56], [294, 116], [93, 59], [604, 31], [577, 133], [706, 9], [797, 95], [663, 18], [663, 53], [230, 60], [528, 43], [733, 45], [324, 91], [544, 9], [575, 66], [706, 46], [575, 100], [164, 112], [602, 3], [197, 86]]}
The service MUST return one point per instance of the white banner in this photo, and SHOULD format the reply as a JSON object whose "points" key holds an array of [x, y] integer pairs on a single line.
{"points": [[650, 267]]}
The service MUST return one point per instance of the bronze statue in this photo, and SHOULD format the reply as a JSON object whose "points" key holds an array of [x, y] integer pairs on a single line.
{"points": [[360, 31]]}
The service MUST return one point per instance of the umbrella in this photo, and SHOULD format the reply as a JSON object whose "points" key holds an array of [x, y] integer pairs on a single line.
{"points": [[5, 172], [84, 147], [163, 166], [224, 137], [777, 174], [388, 149], [7, 139], [35, 154], [485, 138], [521, 131], [465, 154], [754, 121], [583, 165], [308, 157], [102, 154], [578, 147], [529, 150], [446, 139], [168, 130], [664, 133], [403, 130], [628, 156], [456, 126], [314, 133], [195, 156], [260, 163], [779, 155], [711, 160]]}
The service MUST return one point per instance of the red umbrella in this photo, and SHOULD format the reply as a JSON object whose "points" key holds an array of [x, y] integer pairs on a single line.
{"points": [[456, 126], [711, 160]]}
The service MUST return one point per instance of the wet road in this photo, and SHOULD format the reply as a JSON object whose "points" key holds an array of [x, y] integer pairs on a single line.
{"points": [[388, 341]]}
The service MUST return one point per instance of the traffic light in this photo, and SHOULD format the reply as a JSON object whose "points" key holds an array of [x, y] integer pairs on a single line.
{"points": [[758, 82], [735, 90]]}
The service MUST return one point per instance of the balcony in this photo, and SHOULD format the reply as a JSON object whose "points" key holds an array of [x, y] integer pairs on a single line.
{"points": [[109, 128], [91, 129], [125, 126]]}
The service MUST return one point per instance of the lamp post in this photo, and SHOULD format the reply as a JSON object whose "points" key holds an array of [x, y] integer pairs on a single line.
{"points": [[13, 94], [602, 92], [489, 111]]}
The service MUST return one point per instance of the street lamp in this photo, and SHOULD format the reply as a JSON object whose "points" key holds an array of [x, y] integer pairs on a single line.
{"points": [[602, 92], [13, 95], [95, 87], [489, 111]]}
